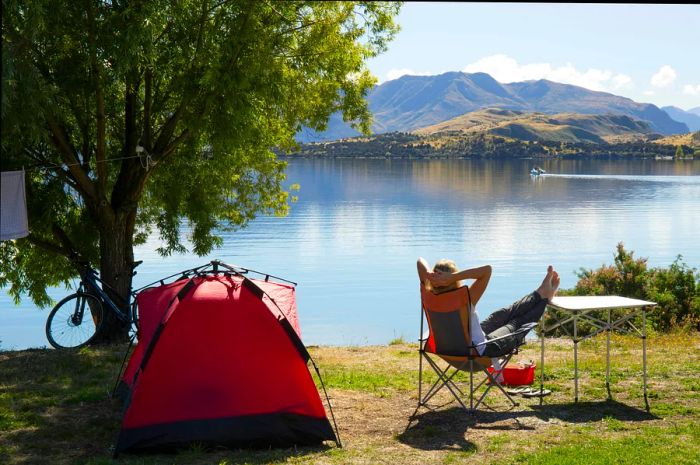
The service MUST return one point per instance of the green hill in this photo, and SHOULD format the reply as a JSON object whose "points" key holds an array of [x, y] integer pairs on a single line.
{"points": [[691, 139], [563, 127], [500, 132]]}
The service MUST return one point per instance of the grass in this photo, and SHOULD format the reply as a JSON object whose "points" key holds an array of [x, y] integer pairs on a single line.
{"points": [[55, 408], [673, 444], [397, 341]]}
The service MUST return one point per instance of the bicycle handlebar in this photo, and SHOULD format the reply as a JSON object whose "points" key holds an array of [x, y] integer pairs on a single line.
{"points": [[86, 267]]}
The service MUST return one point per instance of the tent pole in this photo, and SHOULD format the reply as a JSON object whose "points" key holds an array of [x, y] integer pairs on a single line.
{"points": [[330, 407], [119, 374]]}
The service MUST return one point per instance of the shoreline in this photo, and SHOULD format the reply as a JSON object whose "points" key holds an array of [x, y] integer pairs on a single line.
{"points": [[531, 339], [397, 145], [472, 156]]}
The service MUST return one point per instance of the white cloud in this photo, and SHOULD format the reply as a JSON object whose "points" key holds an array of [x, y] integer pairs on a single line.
{"points": [[397, 73], [622, 81], [664, 77], [648, 92], [506, 69], [691, 90]]}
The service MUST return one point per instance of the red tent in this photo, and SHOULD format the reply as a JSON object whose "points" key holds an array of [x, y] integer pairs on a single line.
{"points": [[220, 361]]}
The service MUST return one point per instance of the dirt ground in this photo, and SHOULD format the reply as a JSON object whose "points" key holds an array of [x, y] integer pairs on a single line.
{"points": [[54, 413], [378, 427]]}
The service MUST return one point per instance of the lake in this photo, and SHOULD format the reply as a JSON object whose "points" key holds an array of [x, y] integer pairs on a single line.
{"points": [[352, 239]]}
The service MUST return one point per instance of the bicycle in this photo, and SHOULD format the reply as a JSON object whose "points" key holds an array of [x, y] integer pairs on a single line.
{"points": [[67, 326]]}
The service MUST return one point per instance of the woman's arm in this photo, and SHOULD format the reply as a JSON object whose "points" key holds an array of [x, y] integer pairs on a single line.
{"points": [[424, 269], [481, 275], [477, 289]]}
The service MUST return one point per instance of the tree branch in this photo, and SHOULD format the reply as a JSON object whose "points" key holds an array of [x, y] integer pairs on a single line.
{"points": [[66, 243], [200, 34], [170, 148], [166, 132], [219, 4], [65, 246], [46, 245], [84, 132], [68, 155], [99, 101], [130, 136], [148, 103], [297, 28]]}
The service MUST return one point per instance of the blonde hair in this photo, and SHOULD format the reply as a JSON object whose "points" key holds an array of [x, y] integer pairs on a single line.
{"points": [[448, 266]]}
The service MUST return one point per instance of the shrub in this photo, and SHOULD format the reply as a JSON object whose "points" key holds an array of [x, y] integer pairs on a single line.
{"points": [[675, 289]]}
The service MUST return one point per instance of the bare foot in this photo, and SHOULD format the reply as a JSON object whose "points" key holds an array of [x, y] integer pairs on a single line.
{"points": [[546, 283], [555, 284], [549, 285]]}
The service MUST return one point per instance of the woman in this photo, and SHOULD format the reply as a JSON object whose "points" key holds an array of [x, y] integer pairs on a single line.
{"points": [[445, 277]]}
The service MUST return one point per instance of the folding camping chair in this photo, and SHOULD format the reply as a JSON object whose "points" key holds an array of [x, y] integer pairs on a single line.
{"points": [[448, 339]]}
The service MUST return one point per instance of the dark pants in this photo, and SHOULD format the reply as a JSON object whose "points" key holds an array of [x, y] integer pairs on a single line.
{"points": [[529, 309]]}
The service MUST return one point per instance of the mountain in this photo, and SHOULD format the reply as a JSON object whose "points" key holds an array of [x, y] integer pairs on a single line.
{"points": [[562, 127], [691, 120], [411, 102], [691, 117], [553, 97]]}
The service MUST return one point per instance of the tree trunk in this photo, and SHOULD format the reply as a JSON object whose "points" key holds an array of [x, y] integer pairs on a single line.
{"points": [[117, 257]]}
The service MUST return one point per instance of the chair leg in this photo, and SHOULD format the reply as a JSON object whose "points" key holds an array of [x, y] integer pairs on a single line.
{"points": [[445, 379], [471, 385], [493, 378], [438, 384], [494, 382]]}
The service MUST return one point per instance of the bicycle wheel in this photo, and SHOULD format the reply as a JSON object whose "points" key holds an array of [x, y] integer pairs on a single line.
{"points": [[135, 315], [74, 321]]}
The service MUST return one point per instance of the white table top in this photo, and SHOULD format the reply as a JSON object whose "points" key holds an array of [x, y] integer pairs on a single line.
{"points": [[598, 302]]}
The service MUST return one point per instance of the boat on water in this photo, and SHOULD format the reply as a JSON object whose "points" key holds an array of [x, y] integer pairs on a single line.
{"points": [[536, 171]]}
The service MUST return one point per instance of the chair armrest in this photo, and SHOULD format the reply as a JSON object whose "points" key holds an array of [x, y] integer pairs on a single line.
{"points": [[425, 336], [526, 328]]}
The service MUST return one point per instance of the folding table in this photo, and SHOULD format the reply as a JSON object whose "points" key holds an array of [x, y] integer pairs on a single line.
{"points": [[582, 308]]}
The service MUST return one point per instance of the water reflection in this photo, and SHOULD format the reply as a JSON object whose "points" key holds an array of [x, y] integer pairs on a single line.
{"points": [[352, 239]]}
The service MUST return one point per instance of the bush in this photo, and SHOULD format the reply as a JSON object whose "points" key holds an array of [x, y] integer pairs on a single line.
{"points": [[675, 289]]}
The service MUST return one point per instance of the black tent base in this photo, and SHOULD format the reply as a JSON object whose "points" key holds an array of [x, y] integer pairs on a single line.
{"points": [[251, 431]]}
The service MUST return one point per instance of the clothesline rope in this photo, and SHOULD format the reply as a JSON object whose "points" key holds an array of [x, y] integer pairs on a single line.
{"points": [[144, 163]]}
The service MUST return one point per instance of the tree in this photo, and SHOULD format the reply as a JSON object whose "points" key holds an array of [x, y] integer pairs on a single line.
{"points": [[679, 152], [133, 117]]}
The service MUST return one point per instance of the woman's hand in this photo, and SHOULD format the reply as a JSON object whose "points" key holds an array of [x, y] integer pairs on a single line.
{"points": [[441, 278]]}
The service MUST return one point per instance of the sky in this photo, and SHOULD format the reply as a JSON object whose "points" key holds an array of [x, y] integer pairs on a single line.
{"points": [[649, 53]]}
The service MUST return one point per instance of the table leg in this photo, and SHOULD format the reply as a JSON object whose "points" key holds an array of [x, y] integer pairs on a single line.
{"points": [[575, 358], [541, 357], [644, 355], [607, 358]]}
